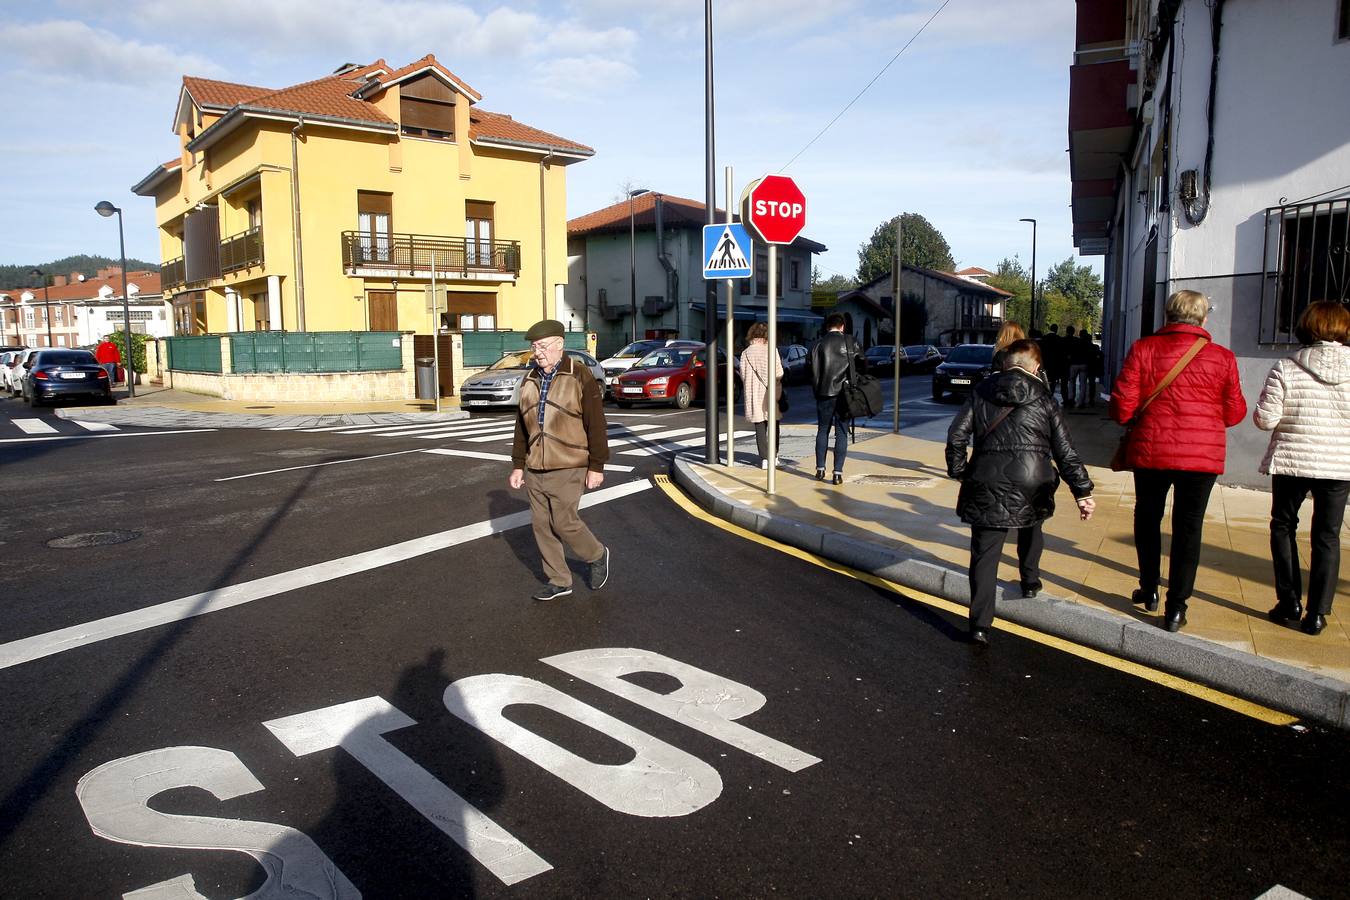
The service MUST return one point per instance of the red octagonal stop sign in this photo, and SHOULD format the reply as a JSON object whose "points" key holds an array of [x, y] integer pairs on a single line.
{"points": [[777, 209]]}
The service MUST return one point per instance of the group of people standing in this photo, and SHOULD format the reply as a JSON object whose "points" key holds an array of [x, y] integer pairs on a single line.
{"points": [[1074, 363], [1177, 392]]}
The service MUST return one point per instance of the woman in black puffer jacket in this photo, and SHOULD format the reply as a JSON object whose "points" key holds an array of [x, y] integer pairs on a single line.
{"points": [[1017, 430]]}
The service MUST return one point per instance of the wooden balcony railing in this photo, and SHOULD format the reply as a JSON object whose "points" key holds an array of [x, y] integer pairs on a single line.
{"points": [[415, 252], [239, 251], [986, 323], [171, 274]]}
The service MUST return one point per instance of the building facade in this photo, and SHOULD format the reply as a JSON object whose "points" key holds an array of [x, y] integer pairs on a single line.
{"points": [[944, 308], [332, 205], [1205, 156], [667, 264], [77, 311]]}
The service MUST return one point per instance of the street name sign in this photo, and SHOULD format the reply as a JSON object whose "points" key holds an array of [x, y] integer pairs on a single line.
{"points": [[726, 251]]}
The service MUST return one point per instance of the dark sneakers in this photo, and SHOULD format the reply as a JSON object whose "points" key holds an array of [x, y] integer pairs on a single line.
{"points": [[551, 592], [599, 573]]}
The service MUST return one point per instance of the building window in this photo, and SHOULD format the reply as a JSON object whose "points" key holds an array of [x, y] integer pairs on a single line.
{"points": [[374, 219], [419, 117], [29, 319], [261, 320], [254, 208], [478, 216], [1306, 253], [470, 311], [796, 274]]}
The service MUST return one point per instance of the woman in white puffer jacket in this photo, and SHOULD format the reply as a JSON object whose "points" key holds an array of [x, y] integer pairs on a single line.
{"points": [[1306, 403]]}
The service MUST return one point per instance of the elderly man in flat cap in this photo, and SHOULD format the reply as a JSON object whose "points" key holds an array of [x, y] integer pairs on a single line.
{"points": [[561, 448]]}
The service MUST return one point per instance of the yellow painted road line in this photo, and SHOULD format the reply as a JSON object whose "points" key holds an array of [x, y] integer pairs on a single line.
{"points": [[1091, 654]]}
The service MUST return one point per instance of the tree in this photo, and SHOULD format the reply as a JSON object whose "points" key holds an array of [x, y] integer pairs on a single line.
{"points": [[1013, 278], [16, 276], [924, 246], [1078, 291], [837, 283]]}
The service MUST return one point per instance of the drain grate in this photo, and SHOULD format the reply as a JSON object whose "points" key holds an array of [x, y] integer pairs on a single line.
{"points": [[92, 539], [893, 480]]}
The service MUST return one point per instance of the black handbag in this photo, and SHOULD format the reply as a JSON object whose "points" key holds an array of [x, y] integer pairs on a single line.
{"points": [[861, 397]]}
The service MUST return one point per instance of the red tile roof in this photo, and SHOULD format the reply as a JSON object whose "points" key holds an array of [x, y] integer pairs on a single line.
{"points": [[974, 270], [220, 93], [147, 281], [496, 126], [424, 62], [327, 96]]}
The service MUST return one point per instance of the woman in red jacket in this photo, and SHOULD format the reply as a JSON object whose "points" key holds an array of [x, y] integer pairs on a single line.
{"points": [[1178, 443]]}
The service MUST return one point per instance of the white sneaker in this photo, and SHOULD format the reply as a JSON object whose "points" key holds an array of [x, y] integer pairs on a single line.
{"points": [[764, 464]]}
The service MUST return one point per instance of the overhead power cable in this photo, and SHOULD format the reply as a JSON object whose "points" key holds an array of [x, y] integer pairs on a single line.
{"points": [[869, 84]]}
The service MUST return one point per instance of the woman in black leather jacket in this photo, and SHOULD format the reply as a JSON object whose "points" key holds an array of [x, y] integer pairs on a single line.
{"points": [[1017, 430]]}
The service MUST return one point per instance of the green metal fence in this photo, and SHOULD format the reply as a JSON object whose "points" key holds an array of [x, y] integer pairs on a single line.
{"points": [[194, 354], [483, 348], [315, 351]]}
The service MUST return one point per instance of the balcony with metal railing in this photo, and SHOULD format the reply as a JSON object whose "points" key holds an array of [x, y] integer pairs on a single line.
{"points": [[984, 323], [413, 255], [242, 250], [171, 274]]}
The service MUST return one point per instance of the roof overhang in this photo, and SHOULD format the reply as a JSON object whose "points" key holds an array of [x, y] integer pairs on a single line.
{"points": [[1101, 120], [566, 154], [239, 115], [147, 186], [185, 99], [454, 84]]}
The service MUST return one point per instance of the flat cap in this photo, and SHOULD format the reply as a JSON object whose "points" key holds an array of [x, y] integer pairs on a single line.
{"points": [[545, 329]]}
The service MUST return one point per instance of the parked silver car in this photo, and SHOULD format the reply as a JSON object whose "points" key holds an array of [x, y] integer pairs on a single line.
{"points": [[11, 373], [499, 384]]}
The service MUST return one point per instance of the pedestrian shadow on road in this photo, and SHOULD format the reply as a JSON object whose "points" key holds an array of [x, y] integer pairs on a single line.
{"points": [[502, 502]]}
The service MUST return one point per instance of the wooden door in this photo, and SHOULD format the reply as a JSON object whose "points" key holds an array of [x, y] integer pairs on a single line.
{"points": [[383, 310]]}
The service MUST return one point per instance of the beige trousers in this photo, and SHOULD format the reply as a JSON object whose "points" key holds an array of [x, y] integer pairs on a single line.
{"points": [[554, 496]]}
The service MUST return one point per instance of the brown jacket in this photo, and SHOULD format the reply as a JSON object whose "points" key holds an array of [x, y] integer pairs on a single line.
{"points": [[574, 433]]}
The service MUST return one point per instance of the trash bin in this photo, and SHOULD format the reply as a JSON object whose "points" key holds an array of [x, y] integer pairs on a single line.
{"points": [[426, 378]]}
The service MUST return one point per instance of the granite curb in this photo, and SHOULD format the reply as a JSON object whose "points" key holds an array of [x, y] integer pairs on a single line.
{"points": [[1275, 684], [174, 417]]}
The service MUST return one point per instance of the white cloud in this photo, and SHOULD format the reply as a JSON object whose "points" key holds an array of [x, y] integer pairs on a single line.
{"points": [[582, 77], [74, 51]]}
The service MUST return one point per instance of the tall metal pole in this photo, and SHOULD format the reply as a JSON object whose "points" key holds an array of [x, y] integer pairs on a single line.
{"points": [[731, 359], [47, 310], [1034, 323], [126, 310], [710, 431], [435, 332], [770, 398], [898, 281]]}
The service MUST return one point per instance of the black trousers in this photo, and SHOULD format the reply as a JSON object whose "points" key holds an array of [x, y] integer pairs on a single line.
{"points": [[1190, 497], [1288, 493], [986, 548], [762, 439]]}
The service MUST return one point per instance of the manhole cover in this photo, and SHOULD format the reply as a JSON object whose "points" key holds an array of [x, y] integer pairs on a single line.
{"points": [[92, 539], [895, 480]]}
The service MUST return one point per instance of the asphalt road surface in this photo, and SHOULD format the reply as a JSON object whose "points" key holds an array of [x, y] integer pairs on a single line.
{"points": [[312, 663]]}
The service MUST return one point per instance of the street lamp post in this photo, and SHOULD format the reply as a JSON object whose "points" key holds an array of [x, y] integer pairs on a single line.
{"points": [[106, 209], [632, 256], [46, 304], [1033, 272]]}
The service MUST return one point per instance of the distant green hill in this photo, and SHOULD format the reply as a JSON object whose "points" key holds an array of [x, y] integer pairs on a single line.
{"points": [[17, 276]]}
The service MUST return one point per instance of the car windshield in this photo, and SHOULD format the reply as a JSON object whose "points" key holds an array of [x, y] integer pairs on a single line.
{"points": [[668, 358], [879, 351], [67, 358], [917, 350], [981, 354], [519, 360], [638, 348]]}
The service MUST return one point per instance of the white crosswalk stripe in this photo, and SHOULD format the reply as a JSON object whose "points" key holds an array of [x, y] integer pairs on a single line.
{"points": [[33, 426], [673, 446], [95, 426]]}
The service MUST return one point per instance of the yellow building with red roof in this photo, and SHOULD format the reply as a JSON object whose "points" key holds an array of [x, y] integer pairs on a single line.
{"points": [[325, 206]]}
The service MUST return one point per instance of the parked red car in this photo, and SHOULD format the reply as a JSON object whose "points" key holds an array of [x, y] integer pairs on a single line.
{"points": [[674, 375]]}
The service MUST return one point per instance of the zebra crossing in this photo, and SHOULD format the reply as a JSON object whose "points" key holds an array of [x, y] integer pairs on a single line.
{"points": [[641, 439], [21, 428]]}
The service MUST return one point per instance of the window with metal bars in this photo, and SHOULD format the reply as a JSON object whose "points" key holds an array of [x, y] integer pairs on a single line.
{"points": [[1306, 258]]}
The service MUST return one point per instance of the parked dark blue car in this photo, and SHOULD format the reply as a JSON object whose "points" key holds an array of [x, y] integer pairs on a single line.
{"points": [[57, 374]]}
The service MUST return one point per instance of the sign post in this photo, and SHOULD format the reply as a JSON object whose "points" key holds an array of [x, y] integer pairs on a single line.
{"points": [[726, 255], [777, 210], [898, 277]]}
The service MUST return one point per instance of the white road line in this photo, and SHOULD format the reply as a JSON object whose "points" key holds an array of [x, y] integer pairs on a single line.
{"points": [[333, 427], [38, 646], [503, 457], [87, 437], [335, 462], [33, 426], [497, 436], [669, 446], [95, 426], [496, 431], [400, 429], [654, 437]]}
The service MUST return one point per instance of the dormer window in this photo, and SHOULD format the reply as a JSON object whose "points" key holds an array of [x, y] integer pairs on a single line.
{"points": [[427, 109]]}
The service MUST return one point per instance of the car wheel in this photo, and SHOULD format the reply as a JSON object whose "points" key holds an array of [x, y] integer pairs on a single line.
{"points": [[684, 396], [937, 393], [624, 404]]}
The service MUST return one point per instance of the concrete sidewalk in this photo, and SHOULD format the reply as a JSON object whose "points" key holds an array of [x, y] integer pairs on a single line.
{"points": [[894, 516], [159, 407]]}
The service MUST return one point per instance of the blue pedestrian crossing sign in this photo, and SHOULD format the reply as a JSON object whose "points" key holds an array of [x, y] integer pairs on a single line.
{"points": [[726, 251]]}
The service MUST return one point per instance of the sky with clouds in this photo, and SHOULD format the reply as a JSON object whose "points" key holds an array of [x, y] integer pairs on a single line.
{"points": [[967, 127]]}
